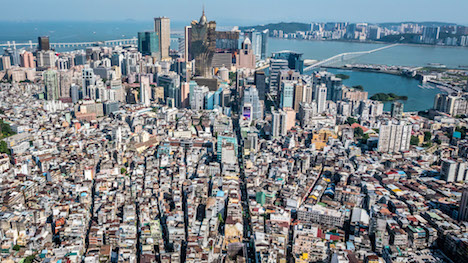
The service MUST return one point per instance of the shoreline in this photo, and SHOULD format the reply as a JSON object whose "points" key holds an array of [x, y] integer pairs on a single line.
{"points": [[371, 42]]}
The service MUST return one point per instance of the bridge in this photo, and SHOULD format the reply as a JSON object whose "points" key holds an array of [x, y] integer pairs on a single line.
{"points": [[116, 42], [108, 43], [345, 56]]}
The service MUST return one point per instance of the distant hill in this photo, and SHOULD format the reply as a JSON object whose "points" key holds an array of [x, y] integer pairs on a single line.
{"points": [[287, 28]]}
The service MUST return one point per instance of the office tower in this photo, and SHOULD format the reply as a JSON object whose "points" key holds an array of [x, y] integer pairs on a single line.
{"points": [[203, 45], [27, 60], [321, 97], [171, 84], [287, 94], [394, 137], [463, 209], [295, 60], [227, 41], [5, 62], [260, 83], [397, 109], [145, 90], [278, 126], [251, 98], [88, 79], [453, 171], [298, 95], [334, 85], [246, 58], [181, 46], [188, 43], [80, 58], [75, 93], [162, 26], [276, 65], [43, 43], [51, 84], [148, 44], [45, 59]]}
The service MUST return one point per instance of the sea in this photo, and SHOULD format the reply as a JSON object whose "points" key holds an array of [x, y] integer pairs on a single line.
{"points": [[404, 55]]}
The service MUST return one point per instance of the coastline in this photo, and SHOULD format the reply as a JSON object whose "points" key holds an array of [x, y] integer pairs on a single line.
{"points": [[371, 42]]}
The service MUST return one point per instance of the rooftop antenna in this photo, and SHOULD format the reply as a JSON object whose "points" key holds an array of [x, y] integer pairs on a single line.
{"points": [[203, 8]]}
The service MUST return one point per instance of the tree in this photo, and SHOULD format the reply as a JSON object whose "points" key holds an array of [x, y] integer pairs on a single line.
{"points": [[123, 170], [358, 87], [414, 140], [4, 147], [427, 136], [351, 120], [358, 132], [16, 247]]}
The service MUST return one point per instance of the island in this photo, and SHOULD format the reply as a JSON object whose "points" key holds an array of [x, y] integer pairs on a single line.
{"points": [[384, 97]]}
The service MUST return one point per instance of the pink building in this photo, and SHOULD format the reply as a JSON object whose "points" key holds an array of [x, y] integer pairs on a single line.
{"points": [[27, 60], [290, 119], [184, 93], [246, 57]]}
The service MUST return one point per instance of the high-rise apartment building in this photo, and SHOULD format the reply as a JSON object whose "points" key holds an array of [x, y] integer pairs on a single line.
{"points": [[454, 170], [394, 137], [463, 210], [51, 84], [27, 60], [278, 124], [162, 26]]}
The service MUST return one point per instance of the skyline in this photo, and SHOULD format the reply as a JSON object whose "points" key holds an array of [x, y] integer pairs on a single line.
{"points": [[243, 13]]}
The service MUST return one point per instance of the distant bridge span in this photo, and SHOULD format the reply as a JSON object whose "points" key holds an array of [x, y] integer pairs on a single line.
{"points": [[345, 56], [116, 42]]}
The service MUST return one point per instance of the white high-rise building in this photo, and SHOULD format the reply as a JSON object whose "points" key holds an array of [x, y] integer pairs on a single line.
{"points": [[321, 98], [251, 97], [145, 90], [394, 137], [278, 126]]}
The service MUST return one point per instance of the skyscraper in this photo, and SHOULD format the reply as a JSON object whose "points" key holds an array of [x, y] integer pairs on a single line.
{"points": [[162, 26], [321, 97], [51, 84], [43, 43], [188, 43], [260, 83], [145, 90], [251, 98], [203, 45], [148, 44]]}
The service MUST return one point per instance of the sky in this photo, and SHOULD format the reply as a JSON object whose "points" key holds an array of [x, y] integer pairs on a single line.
{"points": [[238, 12]]}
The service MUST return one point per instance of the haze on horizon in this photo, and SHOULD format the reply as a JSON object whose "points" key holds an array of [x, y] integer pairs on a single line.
{"points": [[242, 12]]}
